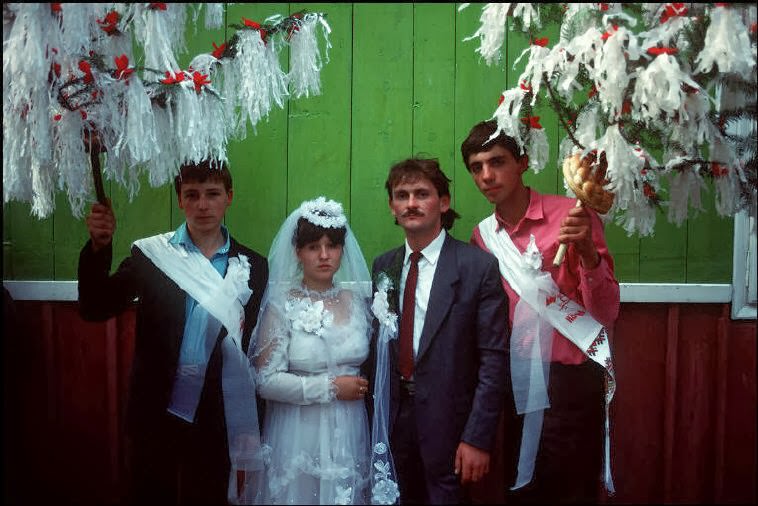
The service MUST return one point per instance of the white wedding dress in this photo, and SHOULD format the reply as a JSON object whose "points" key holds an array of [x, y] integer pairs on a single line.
{"points": [[318, 446]]}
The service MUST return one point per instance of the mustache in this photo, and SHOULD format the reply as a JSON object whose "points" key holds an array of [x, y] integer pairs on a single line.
{"points": [[411, 212]]}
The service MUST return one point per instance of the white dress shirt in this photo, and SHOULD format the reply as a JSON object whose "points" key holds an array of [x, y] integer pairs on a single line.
{"points": [[427, 264]]}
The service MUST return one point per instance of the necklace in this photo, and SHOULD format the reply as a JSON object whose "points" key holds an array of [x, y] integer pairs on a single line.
{"points": [[325, 295]]}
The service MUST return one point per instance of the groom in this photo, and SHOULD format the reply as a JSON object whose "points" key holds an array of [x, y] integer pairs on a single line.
{"points": [[449, 362]]}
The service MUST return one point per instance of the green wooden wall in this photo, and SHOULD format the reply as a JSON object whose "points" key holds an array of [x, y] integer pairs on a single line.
{"points": [[400, 81]]}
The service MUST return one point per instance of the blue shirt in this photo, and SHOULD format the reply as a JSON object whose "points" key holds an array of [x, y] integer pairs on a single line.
{"points": [[195, 316]]}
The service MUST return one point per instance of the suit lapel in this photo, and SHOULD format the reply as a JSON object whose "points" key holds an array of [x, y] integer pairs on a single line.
{"points": [[441, 296]]}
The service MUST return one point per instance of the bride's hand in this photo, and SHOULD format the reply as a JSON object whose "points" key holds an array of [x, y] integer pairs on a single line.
{"points": [[351, 388]]}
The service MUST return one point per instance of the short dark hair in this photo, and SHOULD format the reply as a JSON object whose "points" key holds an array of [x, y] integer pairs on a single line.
{"points": [[308, 232], [412, 170], [207, 170], [477, 141]]}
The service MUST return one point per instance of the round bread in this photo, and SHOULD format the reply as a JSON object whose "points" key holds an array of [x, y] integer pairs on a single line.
{"points": [[586, 184]]}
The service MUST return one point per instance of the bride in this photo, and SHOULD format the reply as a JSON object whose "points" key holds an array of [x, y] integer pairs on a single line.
{"points": [[312, 337]]}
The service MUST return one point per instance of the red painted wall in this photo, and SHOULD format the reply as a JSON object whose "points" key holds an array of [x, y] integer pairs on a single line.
{"points": [[683, 419]]}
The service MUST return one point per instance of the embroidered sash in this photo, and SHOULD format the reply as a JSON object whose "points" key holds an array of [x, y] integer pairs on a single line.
{"points": [[547, 305], [224, 299]]}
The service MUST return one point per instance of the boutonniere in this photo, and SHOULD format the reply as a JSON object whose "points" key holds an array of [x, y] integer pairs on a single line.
{"points": [[381, 304], [389, 279]]}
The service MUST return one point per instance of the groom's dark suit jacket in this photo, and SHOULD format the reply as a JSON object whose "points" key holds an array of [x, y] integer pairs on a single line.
{"points": [[461, 368]]}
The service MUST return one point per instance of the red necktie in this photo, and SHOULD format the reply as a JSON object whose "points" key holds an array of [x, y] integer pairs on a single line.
{"points": [[406, 319]]}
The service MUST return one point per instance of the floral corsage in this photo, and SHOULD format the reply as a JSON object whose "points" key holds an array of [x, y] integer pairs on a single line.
{"points": [[308, 316]]}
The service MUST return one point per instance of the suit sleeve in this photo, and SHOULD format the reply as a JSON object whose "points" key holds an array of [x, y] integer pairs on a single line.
{"points": [[103, 296], [492, 333]]}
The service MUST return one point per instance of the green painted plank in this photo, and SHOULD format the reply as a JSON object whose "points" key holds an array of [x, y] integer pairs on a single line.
{"points": [[382, 116], [259, 162], [434, 85], [7, 244], [477, 90], [663, 256], [626, 253], [711, 244], [69, 234], [319, 127], [31, 243]]}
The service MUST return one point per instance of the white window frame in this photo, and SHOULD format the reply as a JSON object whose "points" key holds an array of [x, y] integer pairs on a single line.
{"points": [[744, 267]]}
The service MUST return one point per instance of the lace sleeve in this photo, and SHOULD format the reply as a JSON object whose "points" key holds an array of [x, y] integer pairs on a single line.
{"points": [[271, 361]]}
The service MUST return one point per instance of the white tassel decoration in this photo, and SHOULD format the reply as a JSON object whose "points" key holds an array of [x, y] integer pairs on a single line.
{"points": [[727, 44], [659, 89], [214, 16], [305, 57], [491, 32]]}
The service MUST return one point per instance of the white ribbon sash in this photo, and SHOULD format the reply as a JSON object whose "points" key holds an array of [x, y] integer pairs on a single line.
{"points": [[538, 290], [224, 299]]}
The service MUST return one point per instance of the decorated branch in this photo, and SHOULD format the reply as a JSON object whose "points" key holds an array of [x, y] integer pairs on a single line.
{"points": [[665, 93], [72, 88]]}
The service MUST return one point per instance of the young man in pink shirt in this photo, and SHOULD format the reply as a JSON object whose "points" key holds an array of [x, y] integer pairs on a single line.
{"points": [[566, 437]]}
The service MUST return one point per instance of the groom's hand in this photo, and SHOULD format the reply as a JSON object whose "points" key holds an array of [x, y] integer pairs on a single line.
{"points": [[471, 463]]}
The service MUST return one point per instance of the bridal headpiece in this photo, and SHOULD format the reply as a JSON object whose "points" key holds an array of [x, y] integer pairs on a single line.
{"points": [[323, 213]]}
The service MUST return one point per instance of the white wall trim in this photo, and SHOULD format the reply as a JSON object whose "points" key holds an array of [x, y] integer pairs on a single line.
{"points": [[43, 290], [630, 292], [675, 292]]}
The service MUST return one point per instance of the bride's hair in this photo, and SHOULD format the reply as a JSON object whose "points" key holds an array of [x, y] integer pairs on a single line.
{"points": [[307, 232]]}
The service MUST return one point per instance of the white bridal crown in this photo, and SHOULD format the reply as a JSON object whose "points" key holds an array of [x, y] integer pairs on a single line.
{"points": [[323, 213]]}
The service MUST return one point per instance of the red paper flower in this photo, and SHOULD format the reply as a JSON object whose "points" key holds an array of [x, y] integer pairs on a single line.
{"points": [[251, 24], [648, 190], [57, 117], [532, 121], [108, 24], [158, 6], [608, 34], [655, 51], [218, 51], [719, 170], [673, 10], [603, 7], [200, 80], [540, 42], [84, 66], [122, 67], [501, 99], [55, 7], [176, 77], [83, 113], [525, 86]]}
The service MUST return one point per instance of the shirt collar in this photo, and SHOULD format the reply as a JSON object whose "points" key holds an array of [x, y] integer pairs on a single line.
{"points": [[533, 212], [181, 236], [432, 251]]}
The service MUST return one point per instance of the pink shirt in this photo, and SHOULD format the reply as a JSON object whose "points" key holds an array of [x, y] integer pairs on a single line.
{"points": [[595, 289]]}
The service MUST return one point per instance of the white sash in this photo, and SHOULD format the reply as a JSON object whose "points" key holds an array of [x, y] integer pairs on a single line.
{"points": [[224, 299], [538, 290]]}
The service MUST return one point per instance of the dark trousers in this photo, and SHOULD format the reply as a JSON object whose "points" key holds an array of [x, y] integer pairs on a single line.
{"points": [[175, 462], [570, 457], [417, 485]]}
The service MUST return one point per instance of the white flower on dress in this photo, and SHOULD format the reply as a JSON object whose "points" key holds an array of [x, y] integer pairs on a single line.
{"points": [[381, 307], [343, 495], [308, 316]]}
